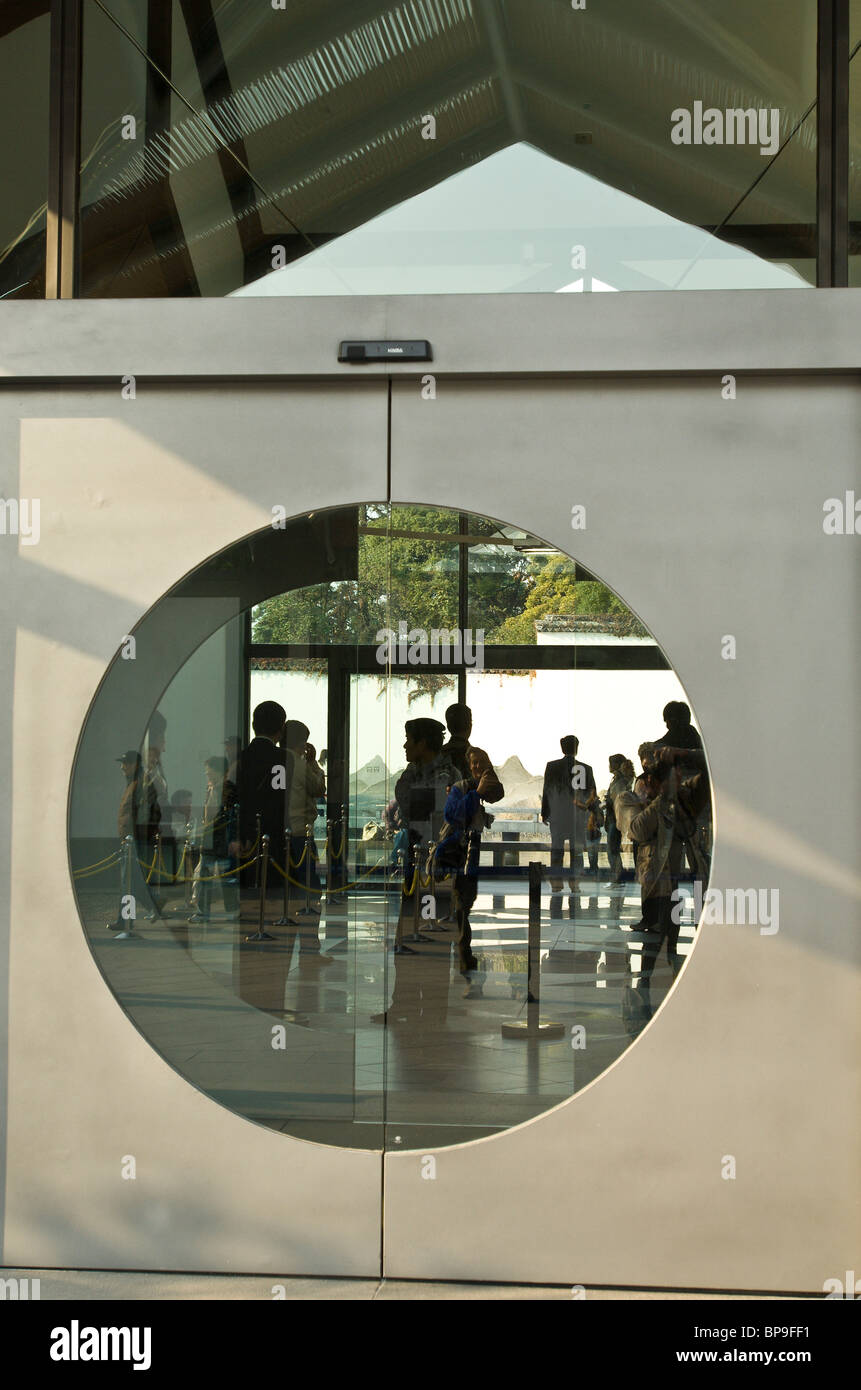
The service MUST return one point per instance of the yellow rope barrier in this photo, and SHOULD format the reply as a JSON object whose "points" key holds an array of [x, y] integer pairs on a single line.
{"points": [[91, 872], [342, 888], [88, 867], [101, 866], [228, 873], [297, 863], [173, 878]]}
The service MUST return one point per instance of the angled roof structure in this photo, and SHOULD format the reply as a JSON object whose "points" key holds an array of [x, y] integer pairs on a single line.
{"points": [[296, 126]]}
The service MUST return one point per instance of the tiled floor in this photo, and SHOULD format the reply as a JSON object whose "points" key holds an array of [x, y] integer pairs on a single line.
{"points": [[437, 1069]]}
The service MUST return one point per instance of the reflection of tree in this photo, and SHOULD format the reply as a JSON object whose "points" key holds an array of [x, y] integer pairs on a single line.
{"points": [[399, 580], [421, 683], [555, 592], [414, 579]]}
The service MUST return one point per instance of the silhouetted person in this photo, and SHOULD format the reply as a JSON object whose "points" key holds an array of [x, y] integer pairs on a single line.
{"points": [[683, 738], [260, 783], [218, 830], [458, 719], [138, 816], [568, 796], [644, 786], [305, 785], [628, 804], [155, 783], [594, 824], [619, 782], [655, 827], [680, 731], [420, 993], [459, 849], [421, 792]]}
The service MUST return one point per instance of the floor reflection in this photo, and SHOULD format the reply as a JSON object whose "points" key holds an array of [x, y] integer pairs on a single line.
{"points": [[335, 1046]]}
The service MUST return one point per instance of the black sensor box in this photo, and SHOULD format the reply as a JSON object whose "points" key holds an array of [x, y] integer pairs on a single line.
{"points": [[394, 350]]}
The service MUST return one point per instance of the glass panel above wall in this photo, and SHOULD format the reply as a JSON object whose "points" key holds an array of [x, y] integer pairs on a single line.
{"points": [[448, 146], [855, 143], [24, 62]]}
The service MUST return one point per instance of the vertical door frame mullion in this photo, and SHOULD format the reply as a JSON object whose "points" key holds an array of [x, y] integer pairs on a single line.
{"points": [[832, 146], [64, 150]]}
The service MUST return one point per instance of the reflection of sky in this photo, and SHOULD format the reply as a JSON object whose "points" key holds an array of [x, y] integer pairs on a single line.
{"points": [[509, 224]]}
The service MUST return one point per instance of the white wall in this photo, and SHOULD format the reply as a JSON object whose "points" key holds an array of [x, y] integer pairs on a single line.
{"points": [[609, 711]]}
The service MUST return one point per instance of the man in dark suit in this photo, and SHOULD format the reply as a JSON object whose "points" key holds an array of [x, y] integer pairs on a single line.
{"points": [[568, 795], [261, 784]]}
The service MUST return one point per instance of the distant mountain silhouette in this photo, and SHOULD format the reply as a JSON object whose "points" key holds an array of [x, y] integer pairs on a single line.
{"points": [[522, 788], [371, 774]]}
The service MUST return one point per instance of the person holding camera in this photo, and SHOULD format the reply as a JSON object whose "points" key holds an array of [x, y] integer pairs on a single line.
{"points": [[659, 829]]}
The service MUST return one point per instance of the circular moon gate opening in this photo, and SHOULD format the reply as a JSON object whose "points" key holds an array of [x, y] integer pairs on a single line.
{"points": [[363, 805]]}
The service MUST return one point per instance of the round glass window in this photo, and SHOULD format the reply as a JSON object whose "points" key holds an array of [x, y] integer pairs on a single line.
{"points": [[387, 826]]}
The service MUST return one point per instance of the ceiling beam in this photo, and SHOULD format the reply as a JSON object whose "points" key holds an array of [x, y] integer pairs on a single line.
{"points": [[215, 85], [497, 41], [340, 141]]}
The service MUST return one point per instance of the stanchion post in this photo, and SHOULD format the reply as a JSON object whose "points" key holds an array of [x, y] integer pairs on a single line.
{"points": [[186, 858], [259, 823], [284, 919], [261, 934], [336, 875], [533, 960], [417, 895], [307, 870], [328, 859], [532, 1029], [336, 923], [130, 849]]}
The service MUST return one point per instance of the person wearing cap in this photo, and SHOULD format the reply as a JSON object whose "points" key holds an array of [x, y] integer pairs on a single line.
{"points": [[421, 792]]}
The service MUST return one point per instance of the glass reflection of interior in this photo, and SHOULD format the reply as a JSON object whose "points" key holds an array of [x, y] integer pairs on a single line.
{"points": [[855, 143], [354, 821], [459, 147], [24, 103]]}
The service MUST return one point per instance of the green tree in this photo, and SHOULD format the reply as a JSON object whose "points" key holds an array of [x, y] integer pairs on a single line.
{"points": [[409, 578], [555, 592], [413, 578]]}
